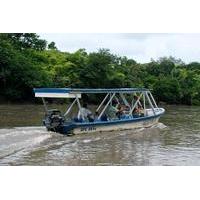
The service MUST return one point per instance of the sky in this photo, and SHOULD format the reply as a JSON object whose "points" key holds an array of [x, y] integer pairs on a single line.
{"points": [[141, 47]]}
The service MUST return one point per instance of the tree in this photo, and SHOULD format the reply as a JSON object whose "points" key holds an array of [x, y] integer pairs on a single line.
{"points": [[98, 69], [23, 41], [52, 46], [189, 83], [25, 63], [194, 66], [20, 69], [168, 90]]}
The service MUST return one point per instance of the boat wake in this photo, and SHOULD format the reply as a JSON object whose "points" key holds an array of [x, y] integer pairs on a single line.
{"points": [[26, 144], [16, 139]]}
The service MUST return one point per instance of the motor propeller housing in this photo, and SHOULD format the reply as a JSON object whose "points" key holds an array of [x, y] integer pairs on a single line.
{"points": [[53, 120]]}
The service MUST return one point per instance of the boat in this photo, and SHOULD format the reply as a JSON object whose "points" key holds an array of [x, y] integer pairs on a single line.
{"points": [[141, 110]]}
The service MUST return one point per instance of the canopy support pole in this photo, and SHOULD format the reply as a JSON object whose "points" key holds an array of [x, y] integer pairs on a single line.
{"points": [[124, 100], [150, 103], [137, 101], [78, 102], [102, 102], [69, 109], [117, 100], [110, 100], [144, 103], [153, 100], [45, 105]]}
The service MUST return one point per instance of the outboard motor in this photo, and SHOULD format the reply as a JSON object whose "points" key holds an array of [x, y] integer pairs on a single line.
{"points": [[53, 120]]}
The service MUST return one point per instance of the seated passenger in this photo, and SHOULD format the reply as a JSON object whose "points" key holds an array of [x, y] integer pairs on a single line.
{"points": [[124, 111], [141, 111], [85, 114], [138, 111], [127, 108], [120, 111], [112, 111]]}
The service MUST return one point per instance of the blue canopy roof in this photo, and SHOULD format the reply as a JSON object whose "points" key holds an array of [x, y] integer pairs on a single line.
{"points": [[88, 90]]}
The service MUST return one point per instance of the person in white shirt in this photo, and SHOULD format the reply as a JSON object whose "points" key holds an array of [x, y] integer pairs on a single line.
{"points": [[85, 114]]}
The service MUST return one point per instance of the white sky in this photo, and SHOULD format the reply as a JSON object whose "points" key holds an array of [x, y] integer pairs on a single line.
{"points": [[139, 46]]}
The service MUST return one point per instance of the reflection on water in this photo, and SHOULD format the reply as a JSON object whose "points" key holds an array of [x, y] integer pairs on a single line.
{"points": [[174, 141]]}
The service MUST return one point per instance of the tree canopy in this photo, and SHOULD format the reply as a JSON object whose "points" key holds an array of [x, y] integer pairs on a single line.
{"points": [[26, 61]]}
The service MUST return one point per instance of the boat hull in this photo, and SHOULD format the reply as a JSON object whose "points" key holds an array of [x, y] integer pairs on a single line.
{"points": [[116, 127]]}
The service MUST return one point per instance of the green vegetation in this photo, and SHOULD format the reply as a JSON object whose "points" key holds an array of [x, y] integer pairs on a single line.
{"points": [[26, 61]]}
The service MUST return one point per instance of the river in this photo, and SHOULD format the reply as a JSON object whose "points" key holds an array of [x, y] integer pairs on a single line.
{"points": [[175, 140]]}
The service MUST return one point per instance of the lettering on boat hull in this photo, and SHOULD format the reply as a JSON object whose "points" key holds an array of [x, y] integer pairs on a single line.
{"points": [[88, 129]]}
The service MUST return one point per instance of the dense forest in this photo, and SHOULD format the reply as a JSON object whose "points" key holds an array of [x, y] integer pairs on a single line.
{"points": [[27, 61]]}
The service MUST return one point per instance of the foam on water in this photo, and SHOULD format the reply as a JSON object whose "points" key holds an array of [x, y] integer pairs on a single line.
{"points": [[87, 140], [16, 139], [159, 125]]}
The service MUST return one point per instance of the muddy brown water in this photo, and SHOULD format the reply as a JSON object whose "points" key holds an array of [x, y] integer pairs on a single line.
{"points": [[175, 140]]}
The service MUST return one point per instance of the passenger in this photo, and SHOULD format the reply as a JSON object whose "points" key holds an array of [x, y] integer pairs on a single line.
{"points": [[124, 111], [127, 108], [120, 111], [112, 111], [138, 108], [136, 112], [139, 111], [85, 114]]}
